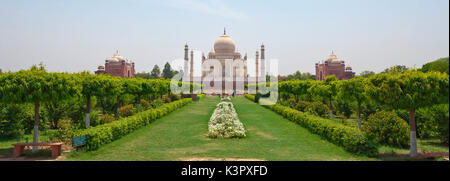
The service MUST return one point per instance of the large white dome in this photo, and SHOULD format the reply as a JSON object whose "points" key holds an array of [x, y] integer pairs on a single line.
{"points": [[224, 45]]}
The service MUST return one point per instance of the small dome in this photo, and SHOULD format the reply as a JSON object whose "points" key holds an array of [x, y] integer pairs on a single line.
{"points": [[333, 58], [115, 58], [101, 67], [224, 45]]}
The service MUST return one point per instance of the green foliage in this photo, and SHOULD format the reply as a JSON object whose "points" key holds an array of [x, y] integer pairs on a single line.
{"points": [[369, 108], [143, 75], [344, 107], [439, 65], [250, 97], [167, 71], [296, 88], [411, 89], [396, 69], [318, 109], [54, 111], [315, 108], [298, 76], [35, 86], [174, 97], [432, 121], [366, 73], [104, 134], [442, 115], [156, 72], [166, 99], [257, 97], [351, 139], [387, 128], [352, 89], [201, 96], [12, 117]]}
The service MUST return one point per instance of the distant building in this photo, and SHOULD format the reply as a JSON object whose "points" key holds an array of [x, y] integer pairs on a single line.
{"points": [[117, 66], [225, 50], [333, 66]]}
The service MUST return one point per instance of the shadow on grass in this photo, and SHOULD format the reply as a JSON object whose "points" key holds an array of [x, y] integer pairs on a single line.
{"points": [[6, 154]]}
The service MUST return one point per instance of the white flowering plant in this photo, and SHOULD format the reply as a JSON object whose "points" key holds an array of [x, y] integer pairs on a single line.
{"points": [[224, 122], [226, 98]]}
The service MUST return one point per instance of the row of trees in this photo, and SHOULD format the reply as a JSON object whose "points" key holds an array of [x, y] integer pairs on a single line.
{"points": [[38, 86], [156, 73], [406, 89]]}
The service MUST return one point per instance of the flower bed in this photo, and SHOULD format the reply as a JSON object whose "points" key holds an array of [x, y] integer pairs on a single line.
{"points": [[224, 122]]}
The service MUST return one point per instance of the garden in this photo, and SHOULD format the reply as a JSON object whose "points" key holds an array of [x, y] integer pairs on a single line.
{"points": [[387, 116]]}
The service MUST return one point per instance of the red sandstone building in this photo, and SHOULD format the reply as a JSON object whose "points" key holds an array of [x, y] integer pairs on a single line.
{"points": [[333, 66], [117, 66]]}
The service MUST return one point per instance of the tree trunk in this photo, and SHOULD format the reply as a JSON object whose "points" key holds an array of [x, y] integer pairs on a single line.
{"points": [[118, 106], [359, 115], [412, 128], [36, 126], [102, 103], [88, 110], [331, 110], [139, 103]]}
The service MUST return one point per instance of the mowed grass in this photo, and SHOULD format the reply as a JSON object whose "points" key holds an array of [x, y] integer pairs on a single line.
{"points": [[182, 135]]}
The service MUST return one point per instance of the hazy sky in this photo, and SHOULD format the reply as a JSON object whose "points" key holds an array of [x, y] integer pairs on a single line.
{"points": [[79, 35]]}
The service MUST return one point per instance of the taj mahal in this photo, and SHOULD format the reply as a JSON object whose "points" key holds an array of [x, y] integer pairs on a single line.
{"points": [[225, 52]]}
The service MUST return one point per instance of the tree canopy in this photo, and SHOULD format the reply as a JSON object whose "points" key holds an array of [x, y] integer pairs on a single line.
{"points": [[439, 65]]}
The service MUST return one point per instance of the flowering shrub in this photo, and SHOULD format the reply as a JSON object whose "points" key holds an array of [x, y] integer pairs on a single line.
{"points": [[225, 98], [126, 110], [224, 122], [145, 104], [106, 118], [387, 128]]}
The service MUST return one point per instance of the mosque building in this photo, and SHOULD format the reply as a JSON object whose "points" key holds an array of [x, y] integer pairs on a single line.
{"points": [[333, 66], [117, 66]]}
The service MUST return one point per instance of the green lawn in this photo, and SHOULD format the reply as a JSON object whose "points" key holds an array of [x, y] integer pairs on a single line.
{"points": [[181, 135]]}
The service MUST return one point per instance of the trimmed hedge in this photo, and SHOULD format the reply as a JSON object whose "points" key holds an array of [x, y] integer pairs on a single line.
{"points": [[104, 134], [201, 96], [351, 139], [250, 97]]}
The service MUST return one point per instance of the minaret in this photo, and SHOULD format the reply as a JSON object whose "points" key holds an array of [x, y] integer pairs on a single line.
{"points": [[186, 62], [256, 66], [192, 66], [262, 51], [263, 64], [245, 69]]}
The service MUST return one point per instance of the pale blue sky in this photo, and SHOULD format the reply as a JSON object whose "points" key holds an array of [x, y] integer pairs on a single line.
{"points": [[79, 35]]}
